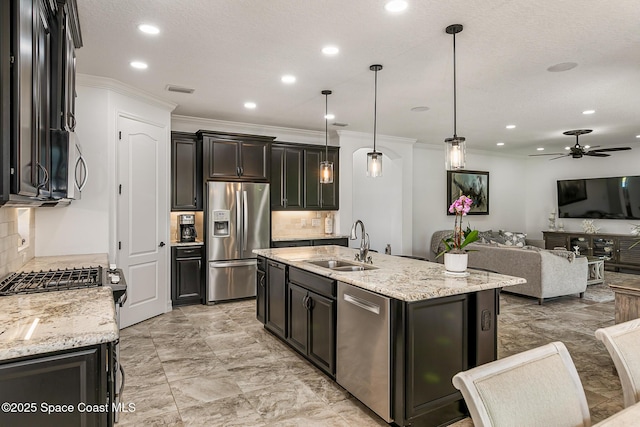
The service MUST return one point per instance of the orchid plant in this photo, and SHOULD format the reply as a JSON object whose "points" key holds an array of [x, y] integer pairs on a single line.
{"points": [[457, 242]]}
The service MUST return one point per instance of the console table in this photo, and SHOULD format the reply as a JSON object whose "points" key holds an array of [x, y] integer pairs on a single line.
{"points": [[612, 248]]}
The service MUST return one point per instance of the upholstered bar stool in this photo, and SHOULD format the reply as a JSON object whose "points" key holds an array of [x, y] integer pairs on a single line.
{"points": [[623, 343], [538, 387]]}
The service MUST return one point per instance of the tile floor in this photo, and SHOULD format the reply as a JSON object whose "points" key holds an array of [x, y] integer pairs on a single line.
{"points": [[217, 366]]}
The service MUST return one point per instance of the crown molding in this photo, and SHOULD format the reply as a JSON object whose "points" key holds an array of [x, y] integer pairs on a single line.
{"points": [[363, 136], [117, 86], [284, 134]]}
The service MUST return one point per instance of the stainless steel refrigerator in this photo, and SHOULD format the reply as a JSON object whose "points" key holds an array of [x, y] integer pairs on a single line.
{"points": [[238, 221]]}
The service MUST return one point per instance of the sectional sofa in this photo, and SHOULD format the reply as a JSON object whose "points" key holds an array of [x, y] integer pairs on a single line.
{"points": [[549, 273]]}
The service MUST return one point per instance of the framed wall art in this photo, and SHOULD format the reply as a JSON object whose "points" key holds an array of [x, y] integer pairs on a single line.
{"points": [[473, 184]]}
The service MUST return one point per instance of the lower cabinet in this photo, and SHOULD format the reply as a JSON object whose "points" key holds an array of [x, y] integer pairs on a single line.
{"points": [[261, 290], [60, 389], [276, 295], [312, 320], [187, 281]]}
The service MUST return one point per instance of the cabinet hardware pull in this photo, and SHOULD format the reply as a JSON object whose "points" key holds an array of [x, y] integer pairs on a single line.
{"points": [[162, 244]]}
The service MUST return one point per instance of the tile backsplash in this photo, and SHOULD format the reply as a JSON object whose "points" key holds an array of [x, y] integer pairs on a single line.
{"points": [[296, 224], [14, 252]]}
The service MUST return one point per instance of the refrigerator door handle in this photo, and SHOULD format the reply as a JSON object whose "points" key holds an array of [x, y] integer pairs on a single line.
{"points": [[239, 221], [245, 231], [224, 264]]}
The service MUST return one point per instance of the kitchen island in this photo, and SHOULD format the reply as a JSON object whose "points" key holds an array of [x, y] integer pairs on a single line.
{"points": [[393, 333]]}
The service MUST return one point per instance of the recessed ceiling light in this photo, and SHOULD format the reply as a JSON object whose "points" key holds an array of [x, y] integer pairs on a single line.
{"points": [[419, 109], [148, 29], [500, 144], [139, 65], [540, 149], [588, 111], [567, 148], [587, 146], [396, 6], [510, 126], [563, 66], [330, 116], [330, 50], [250, 105], [288, 78], [637, 136]]}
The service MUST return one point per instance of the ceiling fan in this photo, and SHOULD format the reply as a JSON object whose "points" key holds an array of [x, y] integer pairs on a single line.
{"points": [[577, 151]]}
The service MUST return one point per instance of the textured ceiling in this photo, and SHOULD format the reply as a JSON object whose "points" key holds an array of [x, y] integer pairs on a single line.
{"points": [[232, 51]]}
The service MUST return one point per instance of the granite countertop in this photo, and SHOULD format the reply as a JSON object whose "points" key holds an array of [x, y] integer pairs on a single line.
{"points": [[57, 321], [318, 237], [402, 278], [66, 261], [196, 243]]}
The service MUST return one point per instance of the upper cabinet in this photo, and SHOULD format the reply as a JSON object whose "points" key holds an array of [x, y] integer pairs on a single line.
{"points": [[38, 39], [186, 172], [295, 178], [235, 157]]}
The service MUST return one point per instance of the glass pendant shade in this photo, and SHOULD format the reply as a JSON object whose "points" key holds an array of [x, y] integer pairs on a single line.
{"points": [[455, 153], [326, 172], [326, 167], [374, 164]]}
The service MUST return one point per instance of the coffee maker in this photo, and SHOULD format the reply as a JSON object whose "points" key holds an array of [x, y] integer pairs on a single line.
{"points": [[187, 228]]}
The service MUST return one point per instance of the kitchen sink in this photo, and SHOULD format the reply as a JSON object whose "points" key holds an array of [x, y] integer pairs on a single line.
{"points": [[341, 265]]}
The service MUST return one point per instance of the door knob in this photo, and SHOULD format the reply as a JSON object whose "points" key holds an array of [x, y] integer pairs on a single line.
{"points": [[161, 244]]}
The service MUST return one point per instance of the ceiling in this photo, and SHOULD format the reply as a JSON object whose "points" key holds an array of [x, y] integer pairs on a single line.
{"points": [[233, 51]]}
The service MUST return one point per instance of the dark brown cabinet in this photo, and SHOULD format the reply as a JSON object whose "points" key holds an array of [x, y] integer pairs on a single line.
{"points": [[38, 39], [316, 195], [261, 290], [615, 249], [311, 317], [286, 177], [187, 281], [77, 378], [235, 157], [295, 178], [276, 295], [186, 172]]}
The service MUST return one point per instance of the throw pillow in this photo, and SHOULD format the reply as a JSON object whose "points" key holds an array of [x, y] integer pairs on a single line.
{"points": [[512, 238]]}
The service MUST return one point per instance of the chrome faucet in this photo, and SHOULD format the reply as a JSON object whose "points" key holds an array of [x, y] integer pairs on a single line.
{"points": [[364, 243]]}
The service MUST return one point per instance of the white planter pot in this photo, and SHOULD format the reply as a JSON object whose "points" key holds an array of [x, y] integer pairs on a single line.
{"points": [[456, 263]]}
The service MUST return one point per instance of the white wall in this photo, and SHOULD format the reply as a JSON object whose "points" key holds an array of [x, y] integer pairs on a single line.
{"points": [[541, 177], [88, 225], [507, 184], [400, 151], [378, 202]]}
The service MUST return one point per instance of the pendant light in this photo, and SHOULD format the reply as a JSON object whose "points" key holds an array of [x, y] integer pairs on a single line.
{"points": [[455, 147], [326, 167], [374, 158]]}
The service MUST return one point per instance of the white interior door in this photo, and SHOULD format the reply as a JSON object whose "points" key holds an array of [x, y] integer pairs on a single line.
{"points": [[142, 222]]}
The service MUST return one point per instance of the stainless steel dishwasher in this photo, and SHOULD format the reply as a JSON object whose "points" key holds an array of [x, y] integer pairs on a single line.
{"points": [[363, 356]]}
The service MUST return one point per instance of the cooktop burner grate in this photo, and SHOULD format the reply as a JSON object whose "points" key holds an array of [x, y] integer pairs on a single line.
{"points": [[52, 280]]}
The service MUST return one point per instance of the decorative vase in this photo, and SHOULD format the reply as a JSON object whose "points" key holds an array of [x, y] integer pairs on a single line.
{"points": [[456, 263]]}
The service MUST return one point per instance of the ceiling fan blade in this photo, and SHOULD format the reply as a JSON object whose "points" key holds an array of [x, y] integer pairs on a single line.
{"points": [[602, 150], [547, 154], [594, 154], [559, 157]]}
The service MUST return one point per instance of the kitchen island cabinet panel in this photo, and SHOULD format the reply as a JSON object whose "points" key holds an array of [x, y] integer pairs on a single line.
{"points": [[276, 298]]}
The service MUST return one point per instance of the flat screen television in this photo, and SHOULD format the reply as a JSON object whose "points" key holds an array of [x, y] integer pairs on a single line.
{"points": [[606, 198]]}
